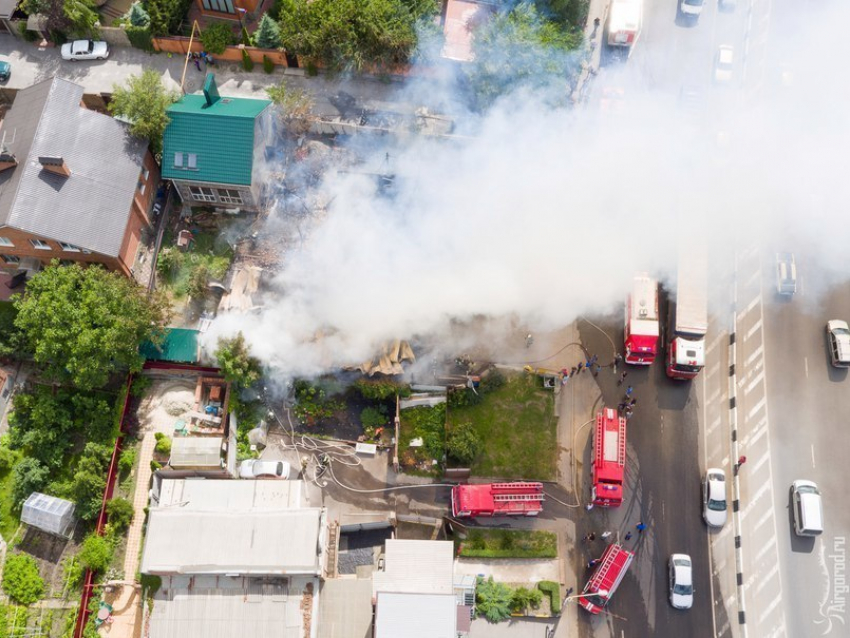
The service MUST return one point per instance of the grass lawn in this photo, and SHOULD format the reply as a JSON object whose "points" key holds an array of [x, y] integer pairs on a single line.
{"points": [[427, 424], [508, 543], [518, 430]]}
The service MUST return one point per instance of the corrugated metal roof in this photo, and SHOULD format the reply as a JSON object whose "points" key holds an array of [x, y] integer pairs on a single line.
{"points": [[181, 541], [220, 135], [179, 345], [196, 451], [227, 495], [7, 8], [415, 616], [91, 207], [233, 608], [416, 567]]}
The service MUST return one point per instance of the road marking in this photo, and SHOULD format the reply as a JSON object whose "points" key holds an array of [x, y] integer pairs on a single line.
{"points": [[806, 363], [702, 384], [813, 456]]}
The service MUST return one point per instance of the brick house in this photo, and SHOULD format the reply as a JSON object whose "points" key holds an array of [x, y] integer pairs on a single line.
{"points": [[231, 9], [213, 146], [74, 184]]}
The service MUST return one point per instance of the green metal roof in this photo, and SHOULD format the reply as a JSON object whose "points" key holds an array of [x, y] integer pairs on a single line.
{"points": [[180, 345], [219, 131]]}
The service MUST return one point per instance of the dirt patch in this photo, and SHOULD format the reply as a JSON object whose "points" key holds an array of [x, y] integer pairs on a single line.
{"points": [[165, 404]]}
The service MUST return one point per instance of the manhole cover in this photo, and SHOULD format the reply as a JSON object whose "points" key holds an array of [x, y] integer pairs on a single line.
{"points": [[189, 85], [234, 68]]}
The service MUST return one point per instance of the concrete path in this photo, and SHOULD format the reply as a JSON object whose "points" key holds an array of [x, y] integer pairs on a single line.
{"points": [[140, 502]]}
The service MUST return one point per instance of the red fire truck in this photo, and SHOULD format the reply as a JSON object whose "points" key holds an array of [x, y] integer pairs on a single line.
{"points": [[519, 498], [603, 583], [609, 458], [642, 321]]}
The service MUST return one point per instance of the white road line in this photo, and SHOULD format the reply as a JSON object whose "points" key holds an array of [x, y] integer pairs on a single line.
{"points": [[813, 456], [702, 383], [756, 353], [758, 406], [753, 330], [806, 364]]}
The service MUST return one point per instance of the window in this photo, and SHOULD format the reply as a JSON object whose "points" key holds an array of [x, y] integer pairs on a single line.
{"points": [[201, 194], [40, 245], [145, 173], [66, 262], [10, 259], [228, 196], [69, 248], [225, 6], [178, 160], [142, 188], [5, 241], [193, 161]]}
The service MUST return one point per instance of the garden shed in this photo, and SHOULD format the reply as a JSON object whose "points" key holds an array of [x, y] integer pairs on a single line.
{"points": [[49, 514]]}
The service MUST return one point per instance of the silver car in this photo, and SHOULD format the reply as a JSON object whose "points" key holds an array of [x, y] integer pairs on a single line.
{"points": [[714, 497], [838, 338], [681, 581], [85, 50], [255, 468]]}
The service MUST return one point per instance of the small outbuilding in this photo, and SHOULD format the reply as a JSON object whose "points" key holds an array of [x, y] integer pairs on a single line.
{"points": [[49, 514]]}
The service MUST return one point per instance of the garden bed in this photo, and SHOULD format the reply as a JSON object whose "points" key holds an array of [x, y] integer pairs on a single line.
{"points": [[508, 543]]}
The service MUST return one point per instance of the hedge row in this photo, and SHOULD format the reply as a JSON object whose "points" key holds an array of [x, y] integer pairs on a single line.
{"points": [[469, 552], [553, 590]]}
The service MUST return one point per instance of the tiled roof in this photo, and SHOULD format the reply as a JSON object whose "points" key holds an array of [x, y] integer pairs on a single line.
{"points": [[218, 131], [91, 207]]}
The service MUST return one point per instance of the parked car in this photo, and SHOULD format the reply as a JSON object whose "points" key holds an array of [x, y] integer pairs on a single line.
{"points": [[786, 274], [838, 336], [85, 50], [727, 5], [256, 468], [681, 581], [714, 497], [808, 509], [5, 71], [723, 62]]}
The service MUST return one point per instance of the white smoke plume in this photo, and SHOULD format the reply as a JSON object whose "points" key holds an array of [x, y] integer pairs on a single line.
{"points": [[545, 214]]}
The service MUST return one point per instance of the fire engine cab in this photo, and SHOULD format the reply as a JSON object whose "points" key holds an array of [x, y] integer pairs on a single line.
{"points": [[609, 458], [606, 579], [520, 498], [642, 321]]}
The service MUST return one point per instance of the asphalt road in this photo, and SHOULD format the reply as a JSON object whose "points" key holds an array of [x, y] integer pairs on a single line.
{"points": [[663, 491], [807, 399]]}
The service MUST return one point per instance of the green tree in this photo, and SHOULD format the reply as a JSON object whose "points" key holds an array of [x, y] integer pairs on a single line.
{"points": [[120, 512], [463, 443], [267, 35], [216, 37], [144, 102], [138, 16], [30, 475], [86, 488], [96, 552], [493, 600], [163, 443], [294, 106], [166, 15], [355, 33], [520, 48], [524, 598], [41, 425], [234, 358], [21, 580], [83, 324], [74, 18]]}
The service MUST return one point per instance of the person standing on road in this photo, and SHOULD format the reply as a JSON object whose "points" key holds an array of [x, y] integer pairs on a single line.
{"points": [[629, 391], [605, 535], [640, 527], [622, 378], [628, 536]]}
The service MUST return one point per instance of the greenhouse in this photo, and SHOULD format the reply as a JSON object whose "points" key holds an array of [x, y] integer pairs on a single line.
{"points": [[48, 513]]}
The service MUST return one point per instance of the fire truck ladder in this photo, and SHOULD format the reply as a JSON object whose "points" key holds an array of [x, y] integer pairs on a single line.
{"points": [[603, 568], [621, 443], [517, 497]]}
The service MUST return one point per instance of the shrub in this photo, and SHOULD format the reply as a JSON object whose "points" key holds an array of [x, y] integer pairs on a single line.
{"points": [[523, 598], [246, 38], [373, 418], [493, 599], [155, 465], [140, 385], [163, 445], [247, 62], [381, 390], [268, 65], [29, 476], [120, 512], [26, 34], [216, 37], [553, 590], [7, 458], [21, 580], [138, 16], [463, 443], [96, 552], [139, 37], [168, 261], [127, 461], [267, 35], [312, 69]]}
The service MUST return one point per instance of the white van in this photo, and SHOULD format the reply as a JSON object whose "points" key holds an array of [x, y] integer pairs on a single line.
{"points": [[808, 511]]}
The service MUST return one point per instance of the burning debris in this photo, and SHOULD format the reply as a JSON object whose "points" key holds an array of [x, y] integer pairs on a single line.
{"points": [[389, 362]]}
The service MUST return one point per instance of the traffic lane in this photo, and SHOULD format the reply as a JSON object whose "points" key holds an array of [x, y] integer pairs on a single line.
{"points": [[663, 491], [809, 394]]}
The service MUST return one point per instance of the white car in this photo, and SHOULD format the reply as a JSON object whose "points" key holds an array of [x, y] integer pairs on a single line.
{"points": [[681, 581], [85, 50], [255, 468], [727, 5], [714, 497], [838, 336], [723, 62]]}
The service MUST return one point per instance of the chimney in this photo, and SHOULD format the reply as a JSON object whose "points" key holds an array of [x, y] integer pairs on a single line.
{"points": [[55, 164], [7, 159], [211, 90]]}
